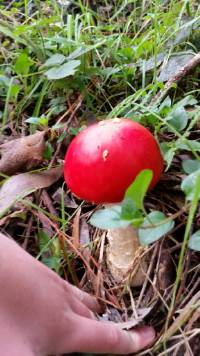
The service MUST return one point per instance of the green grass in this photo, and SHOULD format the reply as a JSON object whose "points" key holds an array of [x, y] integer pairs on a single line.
{"points": [[109, 56]]}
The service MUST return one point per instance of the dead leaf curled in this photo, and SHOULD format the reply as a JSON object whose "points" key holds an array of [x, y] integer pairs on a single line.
{"points": [[21, 185], [22, 154]]}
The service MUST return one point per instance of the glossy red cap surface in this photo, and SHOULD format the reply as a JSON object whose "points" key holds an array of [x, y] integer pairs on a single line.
{"points": [[104, 159]]}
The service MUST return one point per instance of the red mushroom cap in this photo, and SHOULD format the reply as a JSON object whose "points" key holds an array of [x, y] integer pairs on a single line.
{"points": [[105, 158]]}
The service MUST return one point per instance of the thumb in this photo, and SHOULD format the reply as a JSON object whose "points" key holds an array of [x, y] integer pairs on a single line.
{"points": [[107, 337]]}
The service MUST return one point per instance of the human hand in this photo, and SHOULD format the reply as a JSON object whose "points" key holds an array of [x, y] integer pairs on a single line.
{"points": [[41, 314]]}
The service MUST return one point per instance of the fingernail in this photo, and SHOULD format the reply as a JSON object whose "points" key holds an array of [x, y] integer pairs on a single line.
{"points": [[148, 334]]}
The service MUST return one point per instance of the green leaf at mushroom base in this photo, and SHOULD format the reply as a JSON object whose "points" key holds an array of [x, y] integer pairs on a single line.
{"points": [[154, 227], [62, 71], [137, 190], [194, 241], [113, 218], [189, 184], [190, 165], [109, 218], [129, 212], [178, 118]]}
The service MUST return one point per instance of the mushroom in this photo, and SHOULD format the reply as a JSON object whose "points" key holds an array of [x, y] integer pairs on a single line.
{"points": [[100, 164]]}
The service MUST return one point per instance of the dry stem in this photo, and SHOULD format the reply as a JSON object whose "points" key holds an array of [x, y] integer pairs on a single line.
{"points": [[176, 78]]}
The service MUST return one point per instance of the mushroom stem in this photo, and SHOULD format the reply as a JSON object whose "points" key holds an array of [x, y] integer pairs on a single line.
{"points": [[124, 256]]}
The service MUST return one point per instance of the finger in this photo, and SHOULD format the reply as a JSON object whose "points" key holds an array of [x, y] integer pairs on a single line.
{"points": [[85, 298], [107, 337], [16, 350], [82, 310]]}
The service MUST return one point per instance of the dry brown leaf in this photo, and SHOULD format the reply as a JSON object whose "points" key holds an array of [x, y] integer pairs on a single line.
{"points": [[22, 154], [132, 322], [21, 185], [84, 232], [166, 271], [67, 201], [84, 239], [142, 313], [47, 228], [13, 215]]}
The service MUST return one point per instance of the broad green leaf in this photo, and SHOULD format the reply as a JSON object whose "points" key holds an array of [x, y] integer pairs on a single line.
{"points": [[78, 52], [195, 145], [22, 64], [189, 184], [165, 104], [188, 100], [169, 156], [128, 209], [168, 152], [43, 120], [83, 50], [62, 71], [108, 218], [48, 151], [129, 212], [194, 241], [14, 90], [5, 81], [108, 71], [190, 165], [53, 262], [56, 59], [178, 118], [33, 120], [139, 187], [149, 232], [20, 29]]}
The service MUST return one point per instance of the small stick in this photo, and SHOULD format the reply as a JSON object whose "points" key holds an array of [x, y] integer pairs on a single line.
{"points": [[176, 78], [99, 273], [27, 233], [183, 279], [48, 202]]}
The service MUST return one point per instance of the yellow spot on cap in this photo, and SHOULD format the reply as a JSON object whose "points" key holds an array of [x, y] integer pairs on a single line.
{"points": [[101, 123], [116, 120], [105, 155]]}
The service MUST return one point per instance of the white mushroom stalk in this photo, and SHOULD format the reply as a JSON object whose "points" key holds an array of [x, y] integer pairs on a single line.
{"points": [[125, 257]]}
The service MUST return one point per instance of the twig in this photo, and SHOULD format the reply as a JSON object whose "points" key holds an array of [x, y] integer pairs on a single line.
{"points": [[190, 293], [182, 286], [99, 273], [176, 78], [28, 232], [48, 203]]}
